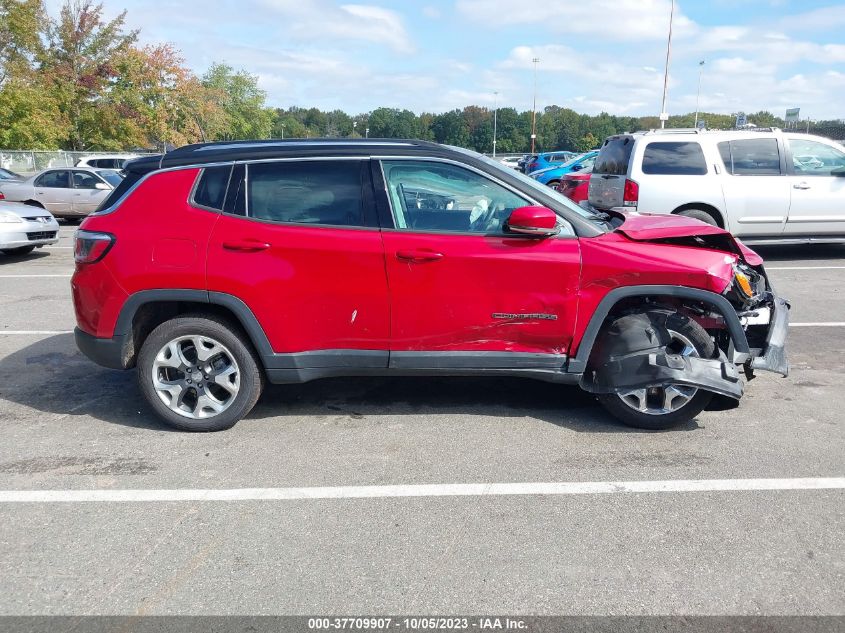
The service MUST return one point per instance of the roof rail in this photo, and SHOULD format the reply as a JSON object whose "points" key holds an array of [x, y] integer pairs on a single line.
{"points": [[676, 130], [758, 129]]}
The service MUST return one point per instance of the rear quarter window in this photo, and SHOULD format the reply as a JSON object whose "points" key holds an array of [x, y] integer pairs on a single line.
{"points": [[674, 159], [614, 156]]}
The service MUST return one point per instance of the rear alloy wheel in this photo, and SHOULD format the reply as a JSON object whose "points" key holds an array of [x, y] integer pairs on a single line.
{"points": [[553, 184], [198, 375], [661, 407]]}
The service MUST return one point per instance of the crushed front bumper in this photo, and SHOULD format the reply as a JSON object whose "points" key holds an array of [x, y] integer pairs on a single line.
{"points": [[773, 356]]}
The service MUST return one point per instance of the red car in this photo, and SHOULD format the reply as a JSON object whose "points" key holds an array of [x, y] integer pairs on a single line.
{"points": [[575, 185], [217, 267]]}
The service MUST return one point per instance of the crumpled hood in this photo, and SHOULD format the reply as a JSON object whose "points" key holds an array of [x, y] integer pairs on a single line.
{"points": [[668, 229]]}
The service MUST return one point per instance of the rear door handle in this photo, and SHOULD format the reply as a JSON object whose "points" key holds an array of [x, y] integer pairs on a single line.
{"points": [[246, 246], [801, 185], [419, 255]]}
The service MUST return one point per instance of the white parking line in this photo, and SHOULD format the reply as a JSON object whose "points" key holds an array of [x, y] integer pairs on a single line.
{"points": [[432, 490], [828, 324], [33, 276], [55, 247], [805, 268]]}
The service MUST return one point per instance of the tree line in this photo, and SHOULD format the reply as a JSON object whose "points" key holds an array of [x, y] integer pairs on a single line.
{"points": [[77, 81]]}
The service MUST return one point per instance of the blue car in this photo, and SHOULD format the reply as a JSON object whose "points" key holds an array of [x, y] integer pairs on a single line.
{"points": [[546, 160], [552, 175]]}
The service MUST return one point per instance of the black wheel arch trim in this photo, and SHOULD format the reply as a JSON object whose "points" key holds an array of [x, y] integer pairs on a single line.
{"points": [[578, 363], [241, 311]]}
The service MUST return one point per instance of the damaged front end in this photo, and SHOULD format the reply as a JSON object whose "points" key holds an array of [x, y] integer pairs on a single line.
{"points": [[743, 329]]}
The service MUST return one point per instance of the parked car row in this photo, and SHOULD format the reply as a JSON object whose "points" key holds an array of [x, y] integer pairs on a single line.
{"points": [[67, 193]]}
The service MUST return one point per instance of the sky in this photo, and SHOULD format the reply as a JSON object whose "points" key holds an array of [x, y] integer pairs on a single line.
{"points": [[436, 55]]}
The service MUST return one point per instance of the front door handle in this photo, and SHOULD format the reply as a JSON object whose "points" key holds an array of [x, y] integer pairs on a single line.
{"points": [[801, 185], [419, 255], [246, 246]]}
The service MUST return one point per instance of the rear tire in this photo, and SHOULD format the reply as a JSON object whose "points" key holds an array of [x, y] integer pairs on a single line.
{"points": [[21, 250], [553, 184], [700, 214], [704, 346], [192, 393]]}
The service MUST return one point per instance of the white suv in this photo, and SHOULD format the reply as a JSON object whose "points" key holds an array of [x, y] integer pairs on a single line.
{"points": [[766, 186]]}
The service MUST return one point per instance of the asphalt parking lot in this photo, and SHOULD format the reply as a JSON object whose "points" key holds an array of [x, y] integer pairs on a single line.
{"points": [[69, 425]]}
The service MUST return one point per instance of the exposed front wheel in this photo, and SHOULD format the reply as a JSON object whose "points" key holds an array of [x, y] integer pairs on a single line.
{"points": [[198, 374], [661, 407]]}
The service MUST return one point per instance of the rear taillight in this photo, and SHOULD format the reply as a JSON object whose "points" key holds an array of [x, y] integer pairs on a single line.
{"points": [[91, 247], [2, 197], [632, 193]]}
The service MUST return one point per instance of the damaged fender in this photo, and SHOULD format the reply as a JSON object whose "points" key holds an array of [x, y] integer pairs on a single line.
{"points": [[634, 353]]}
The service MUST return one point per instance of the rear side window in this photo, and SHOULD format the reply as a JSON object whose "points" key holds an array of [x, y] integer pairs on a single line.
{"points": [[674, 159], [614, 156], [54, 180], [211, 188], [751, 157], [308, 192]]}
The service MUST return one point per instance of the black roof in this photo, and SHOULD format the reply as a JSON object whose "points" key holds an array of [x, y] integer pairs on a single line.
{"points": [[225, 151], [228, 151]]}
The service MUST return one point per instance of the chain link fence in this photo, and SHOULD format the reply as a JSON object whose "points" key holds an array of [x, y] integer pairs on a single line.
{"points": [[28, 162]]}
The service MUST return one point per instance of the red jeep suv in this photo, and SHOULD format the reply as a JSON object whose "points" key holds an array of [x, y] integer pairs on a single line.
{"points": [[220, 266]]}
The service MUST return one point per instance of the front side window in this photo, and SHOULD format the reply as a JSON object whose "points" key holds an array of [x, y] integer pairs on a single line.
{"points": [[674, 159], [433, 196], [326, 192], [59, 179], [811, 158], [85, 180], [751, 157]]}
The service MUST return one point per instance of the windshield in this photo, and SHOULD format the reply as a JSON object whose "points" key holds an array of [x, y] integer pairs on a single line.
{"points": [[531, 184], [110, 176]]}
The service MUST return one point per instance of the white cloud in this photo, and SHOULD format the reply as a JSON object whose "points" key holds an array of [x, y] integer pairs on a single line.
{"points": [[604, 20], [312, 19], [431, 12]]}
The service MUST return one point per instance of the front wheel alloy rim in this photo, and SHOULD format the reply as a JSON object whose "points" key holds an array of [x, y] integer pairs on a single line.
{"points": [[196, 377], [660, 400]]}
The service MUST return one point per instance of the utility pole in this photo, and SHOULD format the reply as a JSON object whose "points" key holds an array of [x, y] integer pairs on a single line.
{"points": [[698, 95], [664, 116], [495, 116], [534, 109]]}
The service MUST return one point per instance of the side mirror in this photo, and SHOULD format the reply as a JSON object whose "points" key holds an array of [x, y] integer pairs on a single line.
{"points": [[533, 221], [102, 186]]}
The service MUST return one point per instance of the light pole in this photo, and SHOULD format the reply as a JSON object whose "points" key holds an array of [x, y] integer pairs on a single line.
{"points": [[366, 132], [664, 116], [283, 131], [495, 116], [354, 124], [534, 109], [698, 95]]}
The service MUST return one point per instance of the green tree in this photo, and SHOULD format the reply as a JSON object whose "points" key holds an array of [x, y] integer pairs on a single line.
{"points": [[79, 66], [242, 101]]}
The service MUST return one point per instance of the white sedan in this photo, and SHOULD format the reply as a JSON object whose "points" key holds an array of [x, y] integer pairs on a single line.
{"points": [[24, 228], [65, 192]]}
